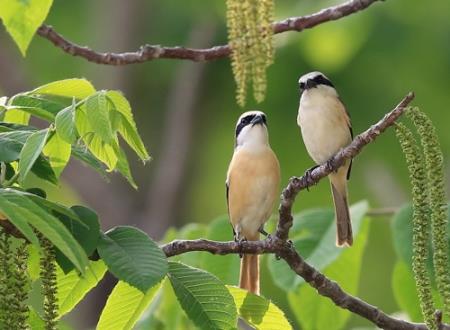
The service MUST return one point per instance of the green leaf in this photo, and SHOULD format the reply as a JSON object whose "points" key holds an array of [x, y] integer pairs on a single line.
{"points": [[22, 18], [101, 150], [226, 268], [17, 117], [77, 88], [37, 112], [50, 103], [31, 151], [9, 147], [97, 114], [58, 152], [405, 292], [65, 124], [33, 262], [204, 298], [133, 257], [28, 211], [43, 170], [86, 230], [257, 311], [18, 219], [127, 128], [314, 233], [122, 165], [125, 305], [312, 310], [35, 322], [84, 155], [71, 287]]}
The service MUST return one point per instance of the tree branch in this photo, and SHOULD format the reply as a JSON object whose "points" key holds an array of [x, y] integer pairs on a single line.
{"points": [[313, 277], [152, 52]]}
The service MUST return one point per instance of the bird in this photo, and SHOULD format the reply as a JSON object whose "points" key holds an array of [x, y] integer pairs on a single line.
{"points": [[326, 128], [252, 187]]}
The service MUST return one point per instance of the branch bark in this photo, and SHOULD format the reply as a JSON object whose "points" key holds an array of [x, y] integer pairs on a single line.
{"points": [[152, 52], [313, 277]]}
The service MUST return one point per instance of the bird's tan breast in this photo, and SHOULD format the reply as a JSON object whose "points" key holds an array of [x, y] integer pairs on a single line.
{"points": [[253, 179]]}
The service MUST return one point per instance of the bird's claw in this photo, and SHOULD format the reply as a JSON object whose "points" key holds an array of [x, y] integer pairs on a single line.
{"points": [[308, 176], [240, 241]]}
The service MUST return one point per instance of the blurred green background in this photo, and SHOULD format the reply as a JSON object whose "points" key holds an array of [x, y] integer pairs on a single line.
{"points": [[186, 112]]}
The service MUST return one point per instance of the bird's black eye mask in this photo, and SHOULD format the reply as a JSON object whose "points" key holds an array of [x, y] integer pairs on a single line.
{"points": [[314, 82], [247, 120]]}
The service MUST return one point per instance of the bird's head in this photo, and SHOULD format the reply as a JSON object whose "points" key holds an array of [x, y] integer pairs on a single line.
{"points": [[316, 81], [251, 129]]}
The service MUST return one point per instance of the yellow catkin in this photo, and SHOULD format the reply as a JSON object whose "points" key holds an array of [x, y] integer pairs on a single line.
{"points": [[250, 37]]}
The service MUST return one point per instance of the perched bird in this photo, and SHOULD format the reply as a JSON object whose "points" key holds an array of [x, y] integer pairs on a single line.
{"points": [[252, 187], [326, 128]]}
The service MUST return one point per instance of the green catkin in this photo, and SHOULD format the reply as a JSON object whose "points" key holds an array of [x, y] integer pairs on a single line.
{"points": [[6, 285], [21, 286], [48, 277], [420, 197], [250, 36], [436, 182]]}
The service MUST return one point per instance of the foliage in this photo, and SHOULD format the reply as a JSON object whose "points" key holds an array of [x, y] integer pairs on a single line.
{"points": [[250, 35]]}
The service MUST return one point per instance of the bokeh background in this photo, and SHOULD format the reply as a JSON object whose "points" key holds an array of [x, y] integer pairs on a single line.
{"points": [[186, 111]]}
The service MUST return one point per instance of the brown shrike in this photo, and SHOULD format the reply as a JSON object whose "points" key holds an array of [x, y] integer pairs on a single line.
{"points": [[252, 188], [326, 128]]}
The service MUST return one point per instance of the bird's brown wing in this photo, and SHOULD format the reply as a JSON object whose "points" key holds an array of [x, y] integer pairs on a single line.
{"points": [[349, 123]]}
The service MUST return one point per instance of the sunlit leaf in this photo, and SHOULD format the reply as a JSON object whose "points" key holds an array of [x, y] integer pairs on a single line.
{"points": [[125, 305], [58, 153], [259, 312], [97, 114], [122, 165], [77, 88], [72, 287], [22, 18]]}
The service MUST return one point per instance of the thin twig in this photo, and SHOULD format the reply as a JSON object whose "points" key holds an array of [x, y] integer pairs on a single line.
{"points": [[152, 52]]}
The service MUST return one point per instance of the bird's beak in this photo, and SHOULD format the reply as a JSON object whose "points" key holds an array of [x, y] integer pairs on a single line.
{"points": [[258, 120], [310, 84]]}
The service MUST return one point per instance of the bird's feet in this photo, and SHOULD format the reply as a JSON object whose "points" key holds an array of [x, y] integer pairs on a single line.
{"points": [[240, 241], [331, 165], [263, 232], [308, 176]]}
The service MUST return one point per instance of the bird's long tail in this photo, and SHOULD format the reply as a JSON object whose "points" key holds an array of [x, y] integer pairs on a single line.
{"points": [[344, 235], [249, 277]]}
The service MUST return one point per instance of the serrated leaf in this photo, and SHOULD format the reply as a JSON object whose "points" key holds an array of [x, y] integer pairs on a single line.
{"points": [[22, 18], [226, 268], [97, 114], [58, 153], [31, 151], [125, 305], [86, 230], [257, 311], [65, 124], [203, 297], [315, 235], [133, 257], [77, 88], [71, 287], [50, 103], [312, 310], [42, 220], [127, 126]]}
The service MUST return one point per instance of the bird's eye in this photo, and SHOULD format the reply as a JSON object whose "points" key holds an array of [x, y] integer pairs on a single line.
{"points": [[302, 85]]}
